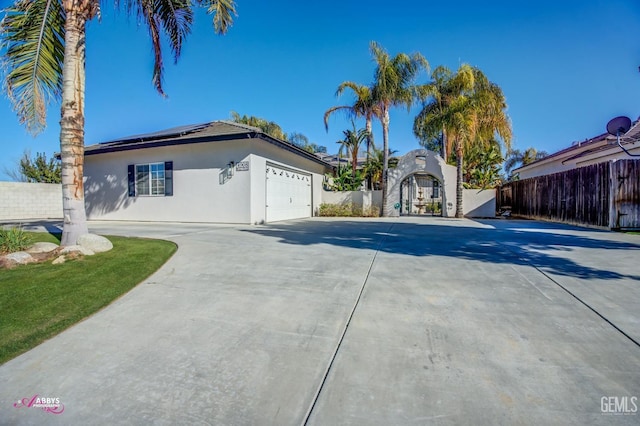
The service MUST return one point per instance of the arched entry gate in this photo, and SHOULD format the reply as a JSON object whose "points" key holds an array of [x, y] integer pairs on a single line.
{"points": [[421, 194], [421, 174]]}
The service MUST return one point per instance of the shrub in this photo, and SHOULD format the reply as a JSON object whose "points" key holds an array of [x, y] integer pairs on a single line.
{"points": [[347, 210], [344, 181], [342, 210], [372, 211], [13, 239]]}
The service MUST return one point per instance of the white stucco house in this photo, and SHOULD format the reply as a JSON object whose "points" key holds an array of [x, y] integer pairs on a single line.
{"points": [[599, 149], [212, 172]]}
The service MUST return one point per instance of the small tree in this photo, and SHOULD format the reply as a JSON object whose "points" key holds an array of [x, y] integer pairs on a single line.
{"points": [[345, 180], [363, 106], [482, 166], [271, 128], [374, 166], [516, 158], [302, 141], [351, 144], [39, 169]]}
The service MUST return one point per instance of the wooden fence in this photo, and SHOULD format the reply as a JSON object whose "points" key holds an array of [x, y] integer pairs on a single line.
{"points": [[625, 194], [604, 195]]}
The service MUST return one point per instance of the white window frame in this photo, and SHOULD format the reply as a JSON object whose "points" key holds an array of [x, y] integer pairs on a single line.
{"points": [[150, 179]]}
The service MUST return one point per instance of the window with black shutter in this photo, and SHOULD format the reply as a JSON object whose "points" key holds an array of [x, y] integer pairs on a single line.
{"points": [[151, 179]]}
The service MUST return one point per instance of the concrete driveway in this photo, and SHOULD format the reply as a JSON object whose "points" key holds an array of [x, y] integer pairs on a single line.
{"points": [[363, 322]]}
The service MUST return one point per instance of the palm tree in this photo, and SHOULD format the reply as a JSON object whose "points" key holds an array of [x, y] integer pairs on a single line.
{"points": [[393, 86], [437, 96], [44, 59], [351, 144], [486, 112], [363, 106], [519, 158], [475, 115]]}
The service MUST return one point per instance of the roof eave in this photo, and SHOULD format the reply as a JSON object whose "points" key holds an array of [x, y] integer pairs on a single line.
{"points": [[292, 148], [250, 134], [568, 150]]}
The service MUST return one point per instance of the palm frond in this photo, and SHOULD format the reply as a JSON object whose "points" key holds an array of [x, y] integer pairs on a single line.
{"points": [[223, 12], [429, 122], [171, 17], [363, 104], [394, 76], [32, 34], [176, 17], [347, 110], [358, 89], [146, 12]]}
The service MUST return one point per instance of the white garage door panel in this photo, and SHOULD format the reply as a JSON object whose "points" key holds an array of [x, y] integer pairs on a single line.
{"points": [[288, 194]]}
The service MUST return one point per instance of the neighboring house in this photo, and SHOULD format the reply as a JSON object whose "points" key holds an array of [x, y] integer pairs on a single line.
{"points": [[599, 149], [213, 172], [343, 161]]}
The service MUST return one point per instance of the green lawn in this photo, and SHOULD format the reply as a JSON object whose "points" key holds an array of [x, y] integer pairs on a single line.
{"points": [[38, 301]]}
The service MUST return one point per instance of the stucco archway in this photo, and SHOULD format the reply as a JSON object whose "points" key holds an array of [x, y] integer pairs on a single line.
{"points": [[422, 161]]}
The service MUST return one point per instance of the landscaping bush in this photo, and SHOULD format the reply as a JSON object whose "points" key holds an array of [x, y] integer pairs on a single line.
{"points": [[372, 211], [14, 239], [347, 210], [341, 210]]}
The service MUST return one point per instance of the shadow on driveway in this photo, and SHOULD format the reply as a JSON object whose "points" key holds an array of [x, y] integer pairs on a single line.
{"points": [[508, 243]]}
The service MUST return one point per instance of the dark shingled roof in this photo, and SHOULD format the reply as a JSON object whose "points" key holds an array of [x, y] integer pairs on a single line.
{"points": [[196, 133]]}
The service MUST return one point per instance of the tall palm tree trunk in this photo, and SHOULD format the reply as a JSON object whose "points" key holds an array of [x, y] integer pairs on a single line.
{"points": [[444, 146], [459, 167], [385, 162], [369, 128], [72, 122], [354, 164]]}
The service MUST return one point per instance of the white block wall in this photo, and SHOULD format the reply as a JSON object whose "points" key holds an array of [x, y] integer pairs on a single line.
{"points": [[360, 199], [22, 201], [479, 203]]}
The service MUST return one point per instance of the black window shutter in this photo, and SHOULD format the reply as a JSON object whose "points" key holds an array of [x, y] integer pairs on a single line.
{"points": [[132, 180], [168, 178]]}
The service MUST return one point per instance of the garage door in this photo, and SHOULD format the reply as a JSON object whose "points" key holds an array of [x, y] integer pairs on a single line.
{"points": [[288, 194]]}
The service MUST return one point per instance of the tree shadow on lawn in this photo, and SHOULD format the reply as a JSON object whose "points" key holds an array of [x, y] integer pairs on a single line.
{"points": [[502, 244], [51, 226]]}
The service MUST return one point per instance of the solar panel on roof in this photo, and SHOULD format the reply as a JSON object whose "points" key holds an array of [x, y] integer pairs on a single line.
{"points": [[168, 133]]}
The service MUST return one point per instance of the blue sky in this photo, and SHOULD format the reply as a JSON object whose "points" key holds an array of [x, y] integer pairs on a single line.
{"points": [[566, 68]]}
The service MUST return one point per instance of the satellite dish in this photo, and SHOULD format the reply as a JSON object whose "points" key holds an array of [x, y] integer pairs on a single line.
{"points": [[618, 125]]}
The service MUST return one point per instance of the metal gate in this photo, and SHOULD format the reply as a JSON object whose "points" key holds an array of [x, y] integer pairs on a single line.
{"points": [[421, 195]]}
